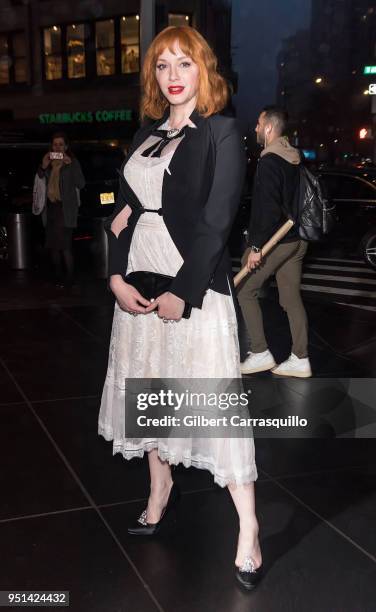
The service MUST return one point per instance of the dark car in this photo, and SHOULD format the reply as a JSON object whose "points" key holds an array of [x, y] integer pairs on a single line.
{"points": [[354, 194], [19, 163]]}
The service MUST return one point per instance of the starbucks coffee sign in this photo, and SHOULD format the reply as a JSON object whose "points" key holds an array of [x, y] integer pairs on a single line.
{"points": [[99, 116]]}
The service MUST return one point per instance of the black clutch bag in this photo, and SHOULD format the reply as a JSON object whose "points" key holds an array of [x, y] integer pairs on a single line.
{"points": [[151, 285]]}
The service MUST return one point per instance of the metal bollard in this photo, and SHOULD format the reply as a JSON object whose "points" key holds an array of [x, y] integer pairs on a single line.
{"points": [[19, 241]]}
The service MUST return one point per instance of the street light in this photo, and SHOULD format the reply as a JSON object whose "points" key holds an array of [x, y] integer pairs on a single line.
{"points": [[318, 80], [366, 92]]}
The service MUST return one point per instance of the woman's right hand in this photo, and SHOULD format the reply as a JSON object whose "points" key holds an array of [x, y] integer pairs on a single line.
{"points": [[128, 298], [46, 161]]}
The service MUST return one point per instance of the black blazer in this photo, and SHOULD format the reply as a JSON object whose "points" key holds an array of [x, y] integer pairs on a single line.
{"points": [[200, 199]]}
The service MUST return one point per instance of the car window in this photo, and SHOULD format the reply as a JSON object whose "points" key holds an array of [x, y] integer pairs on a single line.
{"points": [[331, 185], [351, 187], [19, 165], [18, 168], [366, 191], [348, 187], [100, 165]]}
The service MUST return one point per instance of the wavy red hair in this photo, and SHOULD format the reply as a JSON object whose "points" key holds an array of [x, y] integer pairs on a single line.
{"points": [[212, 90]]}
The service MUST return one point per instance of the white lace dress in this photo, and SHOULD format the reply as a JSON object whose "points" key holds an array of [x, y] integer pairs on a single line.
{"points": [[144, 347]]}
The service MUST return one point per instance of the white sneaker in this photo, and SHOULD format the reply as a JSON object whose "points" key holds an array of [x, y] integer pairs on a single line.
{"points": [[294, 366], [257, 362]]}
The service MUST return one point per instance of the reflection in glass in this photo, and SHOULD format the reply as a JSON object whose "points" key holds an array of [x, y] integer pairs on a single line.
{"points": [[76, 51], [52, 53], [105, 45], [130, 44], [4, 61], [19, 55], [177, 19], [19, 45], [20, 70]]}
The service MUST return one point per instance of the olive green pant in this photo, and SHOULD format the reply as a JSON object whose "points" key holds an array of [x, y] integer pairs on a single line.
{"points": [[285, 261]]}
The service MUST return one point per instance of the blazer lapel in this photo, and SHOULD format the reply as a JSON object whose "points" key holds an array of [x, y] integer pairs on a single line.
{"points": [[186, 156], [127, 192], [188, 149], [186, 160]]}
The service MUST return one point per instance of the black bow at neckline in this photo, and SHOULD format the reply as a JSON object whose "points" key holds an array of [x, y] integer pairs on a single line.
{"points": [[156, 149]]}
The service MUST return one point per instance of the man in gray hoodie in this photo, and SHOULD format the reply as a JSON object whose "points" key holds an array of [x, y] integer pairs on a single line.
{"points": [[275, 185]]}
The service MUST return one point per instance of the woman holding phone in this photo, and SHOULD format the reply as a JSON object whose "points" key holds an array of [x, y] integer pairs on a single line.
{"points": [[188, 166], [64, 180]]}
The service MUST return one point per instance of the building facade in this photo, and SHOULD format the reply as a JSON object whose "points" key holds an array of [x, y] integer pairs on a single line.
{"points": [[321, 78], [75, 65]]}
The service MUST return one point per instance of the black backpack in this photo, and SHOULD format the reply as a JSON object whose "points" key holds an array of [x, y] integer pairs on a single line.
{"points": [[312, 212]]}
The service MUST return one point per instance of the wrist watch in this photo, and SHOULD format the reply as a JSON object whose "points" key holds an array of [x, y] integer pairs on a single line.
{"points": [[255, 249]]}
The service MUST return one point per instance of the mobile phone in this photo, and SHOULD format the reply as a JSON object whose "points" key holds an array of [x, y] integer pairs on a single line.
{"points": [[54, 155]]}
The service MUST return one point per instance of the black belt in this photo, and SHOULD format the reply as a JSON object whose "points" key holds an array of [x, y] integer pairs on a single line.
{"points": [[158, 211]]}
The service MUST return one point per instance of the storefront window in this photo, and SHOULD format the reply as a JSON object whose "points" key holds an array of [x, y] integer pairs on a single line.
{"points": [[179, 19], [13, 66], [4, 61], [66, 54], [19, 58], [76, 51], [130, 44], [105, 46], [52, 53]]}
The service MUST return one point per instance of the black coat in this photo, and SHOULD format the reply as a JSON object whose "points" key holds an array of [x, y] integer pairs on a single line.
{"points": [[200, 199], [274, 188], [71, 181]]}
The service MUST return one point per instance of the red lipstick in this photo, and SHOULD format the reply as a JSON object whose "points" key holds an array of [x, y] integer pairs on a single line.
{"points": [[175, 89]]}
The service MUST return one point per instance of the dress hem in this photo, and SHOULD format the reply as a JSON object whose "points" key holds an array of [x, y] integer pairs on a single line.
{"points": [[174, 460]]}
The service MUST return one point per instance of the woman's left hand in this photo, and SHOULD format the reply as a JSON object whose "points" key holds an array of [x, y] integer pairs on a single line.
{"points": [[67, 159], [169, 306]]}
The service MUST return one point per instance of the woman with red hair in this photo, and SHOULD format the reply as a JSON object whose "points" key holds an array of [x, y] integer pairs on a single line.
{"points": [[188, 166]]}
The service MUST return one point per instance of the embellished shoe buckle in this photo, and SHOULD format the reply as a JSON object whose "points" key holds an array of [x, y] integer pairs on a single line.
{"points": [[142, 518], [248, 566]]}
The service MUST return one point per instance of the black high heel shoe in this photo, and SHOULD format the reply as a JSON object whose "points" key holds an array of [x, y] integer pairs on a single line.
{"points": [[247, 575], [142, 527]]}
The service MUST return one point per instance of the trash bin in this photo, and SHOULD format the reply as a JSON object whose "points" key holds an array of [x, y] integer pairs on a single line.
{"points": [[19, 240], [100, 248]]}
